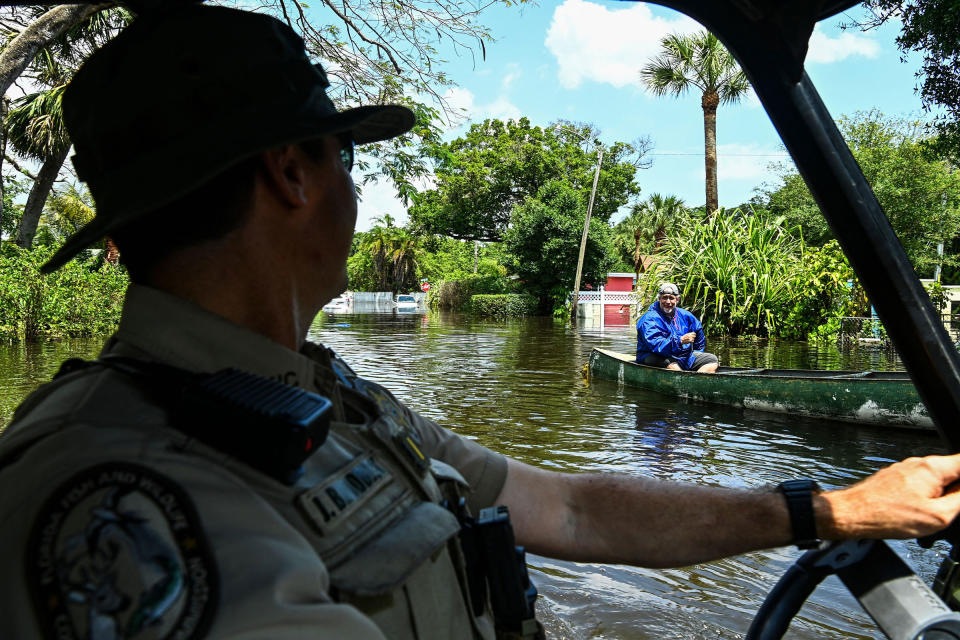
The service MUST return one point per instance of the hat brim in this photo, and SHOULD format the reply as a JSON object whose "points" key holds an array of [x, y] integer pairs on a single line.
{"points": [[366, 124]]}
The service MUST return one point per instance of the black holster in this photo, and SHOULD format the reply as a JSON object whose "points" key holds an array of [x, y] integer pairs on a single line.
{"points": [[497, 570]]}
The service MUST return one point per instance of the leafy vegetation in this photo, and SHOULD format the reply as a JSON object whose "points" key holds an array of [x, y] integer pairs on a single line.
{"points": [[745, 272], [456, 294], [508, 305], [545, 234], [83, 298], [482, 177], [646, 228], [919, 192], [930, 28]]}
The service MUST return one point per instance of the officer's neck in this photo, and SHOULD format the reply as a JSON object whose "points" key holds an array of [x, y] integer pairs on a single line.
{"points": [[230, 278]]}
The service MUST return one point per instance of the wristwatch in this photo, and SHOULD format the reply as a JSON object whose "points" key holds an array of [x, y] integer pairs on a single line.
{"points": [[799, 497]]}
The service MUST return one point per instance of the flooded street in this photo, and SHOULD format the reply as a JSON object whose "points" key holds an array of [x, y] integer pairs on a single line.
{"points": [[517, 388]]}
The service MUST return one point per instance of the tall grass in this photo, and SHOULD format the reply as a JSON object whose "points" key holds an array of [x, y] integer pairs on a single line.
{"points": [[78, 300], [743, 272]]}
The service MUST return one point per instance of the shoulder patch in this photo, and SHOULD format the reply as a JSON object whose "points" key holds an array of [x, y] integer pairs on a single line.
{"points": [[117, 552]]}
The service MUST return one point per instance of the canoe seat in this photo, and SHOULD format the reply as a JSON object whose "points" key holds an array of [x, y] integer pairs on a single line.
{"points": [[740, 372], [859, 374]]}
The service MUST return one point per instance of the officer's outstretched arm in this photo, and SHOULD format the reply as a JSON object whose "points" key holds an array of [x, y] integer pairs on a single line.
{"points": [[648, 522]]}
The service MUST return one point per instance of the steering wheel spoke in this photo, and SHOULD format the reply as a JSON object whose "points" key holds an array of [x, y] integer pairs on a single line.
{"points": [[903, 607]]}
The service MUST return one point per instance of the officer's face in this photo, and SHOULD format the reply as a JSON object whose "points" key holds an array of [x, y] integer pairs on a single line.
{"points": [[335, 214]]}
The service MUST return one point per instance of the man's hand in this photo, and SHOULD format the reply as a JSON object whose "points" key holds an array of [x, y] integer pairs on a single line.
{"points": [[909, 499], [688, 338]]}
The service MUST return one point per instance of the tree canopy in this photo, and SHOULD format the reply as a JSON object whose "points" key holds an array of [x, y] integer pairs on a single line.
{"points": [[932, 28], [919, 192], [482, 176], [543, 243]]}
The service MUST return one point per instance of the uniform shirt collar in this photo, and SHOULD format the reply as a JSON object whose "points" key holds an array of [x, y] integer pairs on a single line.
{"points": [[183, 334]]}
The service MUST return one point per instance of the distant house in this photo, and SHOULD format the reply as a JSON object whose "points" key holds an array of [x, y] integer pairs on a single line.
{"points": [[618, 314]]}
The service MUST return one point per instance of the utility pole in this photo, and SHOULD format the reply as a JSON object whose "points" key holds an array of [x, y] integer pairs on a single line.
{"points": [[583, 239]]}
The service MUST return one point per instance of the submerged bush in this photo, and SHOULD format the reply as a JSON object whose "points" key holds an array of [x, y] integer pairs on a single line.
{"points": [[80, 299], [456, 294], [510, 305]]}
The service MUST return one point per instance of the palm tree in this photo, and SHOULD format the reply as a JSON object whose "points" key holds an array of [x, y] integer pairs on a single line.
{"points": [[661, 214], [699, 60], [55, 44], [35, 130], [395, 254], [649, 223]]}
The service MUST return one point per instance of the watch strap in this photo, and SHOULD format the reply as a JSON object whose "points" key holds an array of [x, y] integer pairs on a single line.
{"points": [[799, 497]]}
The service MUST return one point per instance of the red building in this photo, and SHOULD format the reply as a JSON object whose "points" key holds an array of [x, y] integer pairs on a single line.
{"points": [[618, 313]]}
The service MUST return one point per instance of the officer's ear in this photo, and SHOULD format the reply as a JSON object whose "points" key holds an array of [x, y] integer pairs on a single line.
{"points": [[284, 171]]}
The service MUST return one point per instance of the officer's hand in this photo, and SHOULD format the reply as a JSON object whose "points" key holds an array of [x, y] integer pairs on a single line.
{"points": [[688, 338], [913, 498]]}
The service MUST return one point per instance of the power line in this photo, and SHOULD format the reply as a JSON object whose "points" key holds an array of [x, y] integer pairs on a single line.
{"points": [[725, 155]]}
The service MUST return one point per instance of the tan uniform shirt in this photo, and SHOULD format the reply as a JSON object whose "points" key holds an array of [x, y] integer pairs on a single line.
{"points": [[115, 525]]}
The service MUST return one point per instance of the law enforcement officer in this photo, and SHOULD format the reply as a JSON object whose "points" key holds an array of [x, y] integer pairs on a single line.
{"points": [[214, 474]]}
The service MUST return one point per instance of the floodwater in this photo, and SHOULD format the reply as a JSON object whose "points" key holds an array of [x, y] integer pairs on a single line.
{"points": [[516, 387]]}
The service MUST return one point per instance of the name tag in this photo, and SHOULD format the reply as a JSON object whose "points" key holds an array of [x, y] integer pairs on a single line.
{"points": [[336, 498]]}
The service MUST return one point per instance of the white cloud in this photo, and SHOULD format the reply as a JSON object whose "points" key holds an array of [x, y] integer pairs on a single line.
{"points": [[735, 161], [824, 49], [746, 161], [512, 75], [464, 100], [594, 43], [379, 198]]}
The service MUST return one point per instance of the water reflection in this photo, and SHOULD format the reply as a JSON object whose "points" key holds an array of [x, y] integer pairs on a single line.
{"points": [[516, 386]]}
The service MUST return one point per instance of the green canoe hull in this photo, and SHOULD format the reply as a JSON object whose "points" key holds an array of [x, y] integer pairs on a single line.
{"points": [[885, 398]]}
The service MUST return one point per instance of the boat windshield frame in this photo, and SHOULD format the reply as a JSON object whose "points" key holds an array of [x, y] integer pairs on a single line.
{"points": [[769, 40]]}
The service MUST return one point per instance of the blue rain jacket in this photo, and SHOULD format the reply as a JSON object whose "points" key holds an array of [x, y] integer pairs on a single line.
{"points": [[656, 333]]}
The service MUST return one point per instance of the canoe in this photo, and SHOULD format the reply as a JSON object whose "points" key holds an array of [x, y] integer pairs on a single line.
{"points": [[885, 398]]}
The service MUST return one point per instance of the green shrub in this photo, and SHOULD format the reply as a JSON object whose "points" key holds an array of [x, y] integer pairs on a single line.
{"points": [[510, 305], [456, 294], [745, 272], [81, 299]]}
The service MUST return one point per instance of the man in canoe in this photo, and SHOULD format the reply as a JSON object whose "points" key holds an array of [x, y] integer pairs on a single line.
{"points": [[671, 337], [214, 474]]}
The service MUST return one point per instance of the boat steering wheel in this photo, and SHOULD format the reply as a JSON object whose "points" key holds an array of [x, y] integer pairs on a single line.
{"points": [[897, 599]]}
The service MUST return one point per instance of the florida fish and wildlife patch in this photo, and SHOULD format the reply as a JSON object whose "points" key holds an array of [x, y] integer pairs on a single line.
{"points": [[117, 552]]}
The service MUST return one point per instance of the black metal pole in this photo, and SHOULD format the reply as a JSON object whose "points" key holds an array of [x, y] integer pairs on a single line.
{"points": [[769, 40]]}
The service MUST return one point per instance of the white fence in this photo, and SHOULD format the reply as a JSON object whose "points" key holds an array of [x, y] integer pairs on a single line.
{"points": [[590, 304], [608, 297]]}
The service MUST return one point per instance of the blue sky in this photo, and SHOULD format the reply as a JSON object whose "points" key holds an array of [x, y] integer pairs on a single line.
{"points": [[579, 60]]}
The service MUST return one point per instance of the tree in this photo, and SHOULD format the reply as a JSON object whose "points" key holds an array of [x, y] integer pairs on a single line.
{"points": [[47, 50], [497, 165], [700, 61], [931, 27], [375, 52], [384, 258], [69, 209], [43, 29], [35, 130], [919, 192], [543, 243], [648, 225]]}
